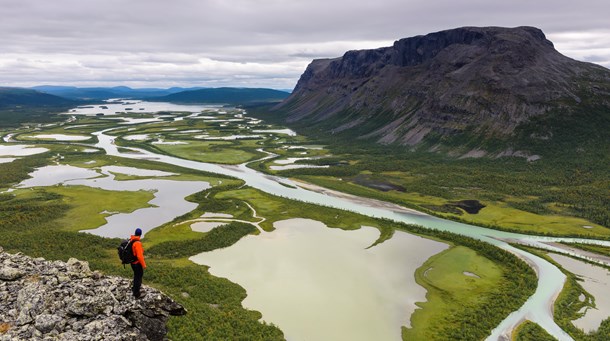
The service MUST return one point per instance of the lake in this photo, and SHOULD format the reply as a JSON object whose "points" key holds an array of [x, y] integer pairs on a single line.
{"points": [[320, 283]]}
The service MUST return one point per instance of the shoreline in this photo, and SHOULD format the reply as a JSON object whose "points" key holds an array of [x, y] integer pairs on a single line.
{"points": [[375, 203]]}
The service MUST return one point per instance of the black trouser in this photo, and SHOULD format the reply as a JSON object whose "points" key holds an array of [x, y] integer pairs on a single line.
{"points": [[138, 273]]}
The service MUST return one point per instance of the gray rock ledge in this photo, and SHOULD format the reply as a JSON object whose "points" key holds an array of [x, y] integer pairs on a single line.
{"points": [[44, 300]]}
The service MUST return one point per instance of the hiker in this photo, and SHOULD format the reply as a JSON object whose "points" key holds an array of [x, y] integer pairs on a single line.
{"points": [[139, 264]]}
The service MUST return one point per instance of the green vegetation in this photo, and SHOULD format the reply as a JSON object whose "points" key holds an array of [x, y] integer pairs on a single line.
{"points": [[599, 249], [209, 151], [452, 311], [87, 205], [15, 116], [219, 237], [17, 171], [530, 331], [19, 106], [276, 208], [450, 289], [558, 194]]}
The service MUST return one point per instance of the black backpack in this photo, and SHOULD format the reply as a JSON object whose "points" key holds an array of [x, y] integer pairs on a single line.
{"points": [[126, 252]]}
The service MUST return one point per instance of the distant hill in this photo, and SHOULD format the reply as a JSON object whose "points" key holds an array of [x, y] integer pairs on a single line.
{"points": [[102, 93], [486, 89], [19, 106], [11, 97], [232, 96]]}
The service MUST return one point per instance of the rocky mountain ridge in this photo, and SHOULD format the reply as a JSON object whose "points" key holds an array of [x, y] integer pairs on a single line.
{"points": [[44, 300], [469, 81]]}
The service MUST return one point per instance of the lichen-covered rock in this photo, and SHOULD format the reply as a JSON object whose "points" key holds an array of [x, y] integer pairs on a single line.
{"points": [[43, 300], [10, 274]]}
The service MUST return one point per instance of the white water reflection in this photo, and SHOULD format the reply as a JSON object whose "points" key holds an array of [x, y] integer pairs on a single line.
{"points": [[288, 132], [139, 137], [20, 150], [7, 159], [60, 137], [230, 137], [289, 164], [56, 174], [112, 107], [136, 171], [205, 226], [285, 167], [168, 201], [596, 281], [174, 143], [319, 283]]}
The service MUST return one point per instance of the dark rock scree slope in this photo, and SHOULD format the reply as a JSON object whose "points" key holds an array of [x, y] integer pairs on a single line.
{"points": [[475, 81], [40, 300]]}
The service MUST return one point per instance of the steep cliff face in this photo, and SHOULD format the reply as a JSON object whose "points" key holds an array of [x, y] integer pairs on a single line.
{"points": [[66, 301], [478, 81]]}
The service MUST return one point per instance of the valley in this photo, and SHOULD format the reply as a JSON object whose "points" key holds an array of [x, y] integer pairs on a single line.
{"points": [[224, 159]]}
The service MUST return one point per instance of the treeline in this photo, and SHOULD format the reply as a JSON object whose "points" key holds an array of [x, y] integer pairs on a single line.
{"points": [[27, 225], [580, 186], [529, 331], [18, 170], [477, 322], [568, 307], [16, 115], [219, 237], [599, 249]]}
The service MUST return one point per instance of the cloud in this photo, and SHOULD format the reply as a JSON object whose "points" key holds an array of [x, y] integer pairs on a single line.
{"points": [[250, 43]]}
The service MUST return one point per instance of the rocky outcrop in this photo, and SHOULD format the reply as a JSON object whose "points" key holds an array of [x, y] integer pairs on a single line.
{"points": [[482, 81], [43, 300]]}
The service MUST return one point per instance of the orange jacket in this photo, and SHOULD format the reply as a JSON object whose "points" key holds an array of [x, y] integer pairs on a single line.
{"points": [[138, 251]]}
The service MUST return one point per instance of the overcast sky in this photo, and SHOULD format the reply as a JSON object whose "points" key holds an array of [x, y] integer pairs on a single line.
{"points": [[251, 43]]}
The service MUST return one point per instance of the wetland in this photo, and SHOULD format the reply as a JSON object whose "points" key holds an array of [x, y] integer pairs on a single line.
{"points": [[353, 245]]}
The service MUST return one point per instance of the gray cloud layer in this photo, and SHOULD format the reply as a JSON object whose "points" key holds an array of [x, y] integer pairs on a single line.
{"points": [[250, 42]]}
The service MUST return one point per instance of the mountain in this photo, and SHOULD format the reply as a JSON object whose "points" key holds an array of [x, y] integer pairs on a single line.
{"points": [[476, 87], [102, 93], [12, 97], [225, 96]]}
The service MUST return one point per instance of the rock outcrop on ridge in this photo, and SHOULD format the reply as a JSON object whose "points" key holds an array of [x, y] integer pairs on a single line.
{"points": [[469, 81], [44, 300]]}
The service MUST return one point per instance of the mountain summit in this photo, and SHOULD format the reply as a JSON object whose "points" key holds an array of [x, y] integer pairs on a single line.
{"points": [[466, 84]]}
